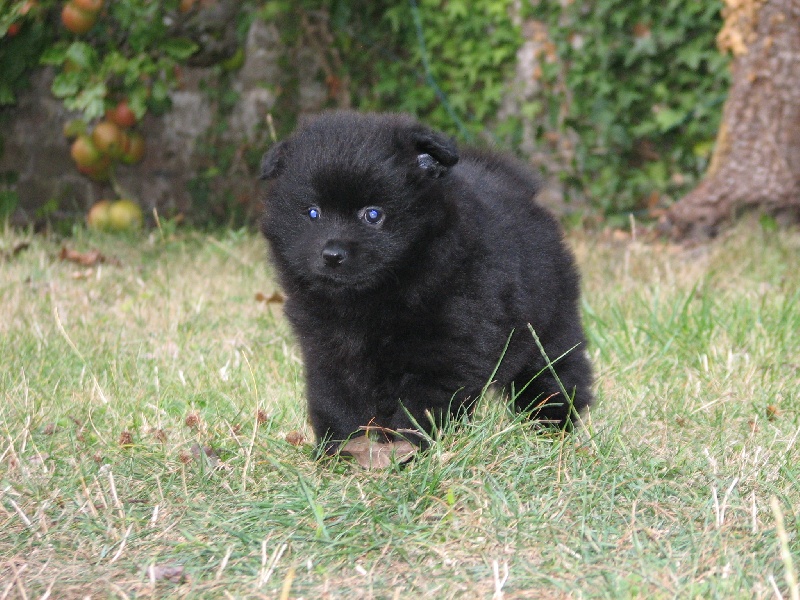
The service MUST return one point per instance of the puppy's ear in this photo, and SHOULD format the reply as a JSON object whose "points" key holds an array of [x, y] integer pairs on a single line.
{"points": [[437, 153], [273, 161]]}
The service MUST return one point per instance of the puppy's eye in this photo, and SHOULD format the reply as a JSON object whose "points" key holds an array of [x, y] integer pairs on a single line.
{"points": [[372, 215], [313, 213], [426, 162]]}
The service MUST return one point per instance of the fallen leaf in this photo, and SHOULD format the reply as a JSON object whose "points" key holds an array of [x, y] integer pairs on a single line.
{"points": [[378, 455], [19, 248], [773, 412], [274, 298], [211, 455], [295, 438], [87, 259], [173, 573]]}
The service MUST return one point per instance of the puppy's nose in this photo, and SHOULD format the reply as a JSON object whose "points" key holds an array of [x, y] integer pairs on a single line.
{"points": [[334, 254]]}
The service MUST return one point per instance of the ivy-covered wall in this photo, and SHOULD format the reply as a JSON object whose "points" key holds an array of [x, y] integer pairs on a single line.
{"points": [[616, 101], [201, 157]]}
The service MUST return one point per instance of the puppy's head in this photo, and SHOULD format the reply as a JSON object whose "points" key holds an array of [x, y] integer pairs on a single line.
{"points": [[352, 196]]}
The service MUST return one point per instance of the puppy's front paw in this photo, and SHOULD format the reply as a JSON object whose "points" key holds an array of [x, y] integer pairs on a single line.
{"points": [[372, 454]]}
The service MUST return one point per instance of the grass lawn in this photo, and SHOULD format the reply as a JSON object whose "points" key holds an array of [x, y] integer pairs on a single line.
{"points": [[153, 440]]}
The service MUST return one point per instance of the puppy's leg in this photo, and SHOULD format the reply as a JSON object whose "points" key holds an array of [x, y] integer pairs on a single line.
{"points": [[335, 411], [540, 393], [423, 403]]}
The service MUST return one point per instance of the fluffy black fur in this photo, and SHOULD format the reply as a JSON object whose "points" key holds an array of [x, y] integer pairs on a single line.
{"points": [[406, 309]]}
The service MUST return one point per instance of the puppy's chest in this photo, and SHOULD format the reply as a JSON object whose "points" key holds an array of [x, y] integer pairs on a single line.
{"points": [[383, 345]]}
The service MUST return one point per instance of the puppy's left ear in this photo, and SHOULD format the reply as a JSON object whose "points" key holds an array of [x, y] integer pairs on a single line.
{"points": [[273, 161], [437, 153]]}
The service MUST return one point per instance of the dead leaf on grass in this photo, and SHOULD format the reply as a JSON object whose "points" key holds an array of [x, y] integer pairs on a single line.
{"points": [[173, 573], [378, 455], [211, 455], [87, 259], [18, 247], [295, 438], [274, 298]]}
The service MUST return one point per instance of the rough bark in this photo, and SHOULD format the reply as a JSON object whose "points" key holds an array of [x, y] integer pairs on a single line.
{"points": [[756, 161]]}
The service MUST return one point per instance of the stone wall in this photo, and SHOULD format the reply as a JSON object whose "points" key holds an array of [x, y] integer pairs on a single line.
{"points": [[36, 149]]}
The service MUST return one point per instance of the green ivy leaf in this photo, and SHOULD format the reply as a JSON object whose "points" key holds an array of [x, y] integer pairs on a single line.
{"points": [[90, 100], [54, 55], [66, 84], [179, 48], [81, 54], [668, 118]]}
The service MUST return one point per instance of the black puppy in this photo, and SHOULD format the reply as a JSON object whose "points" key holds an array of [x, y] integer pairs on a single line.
{"points": [[411, 268]]}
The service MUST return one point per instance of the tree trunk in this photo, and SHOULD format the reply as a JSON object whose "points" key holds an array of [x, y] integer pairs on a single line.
{"points": [[756, 160]]}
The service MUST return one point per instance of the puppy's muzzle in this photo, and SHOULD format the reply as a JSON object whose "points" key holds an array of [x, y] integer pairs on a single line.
{"points": [[334, 254]]}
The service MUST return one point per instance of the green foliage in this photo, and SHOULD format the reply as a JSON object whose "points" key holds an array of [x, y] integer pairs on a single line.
{"points": [[450, 64], [131, 53], [446, 61], [641, 85], [22, 40], [632, 91]]}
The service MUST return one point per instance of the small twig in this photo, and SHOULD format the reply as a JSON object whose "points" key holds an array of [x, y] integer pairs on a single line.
{"points": [[273, 562], [224, 563], [775, 587], [21, 514], [18, 579], [499, 583], [725, 501], [114, 496], [786, 556], [121, 545], [715, 497], [49, 589], [287, 584]]}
